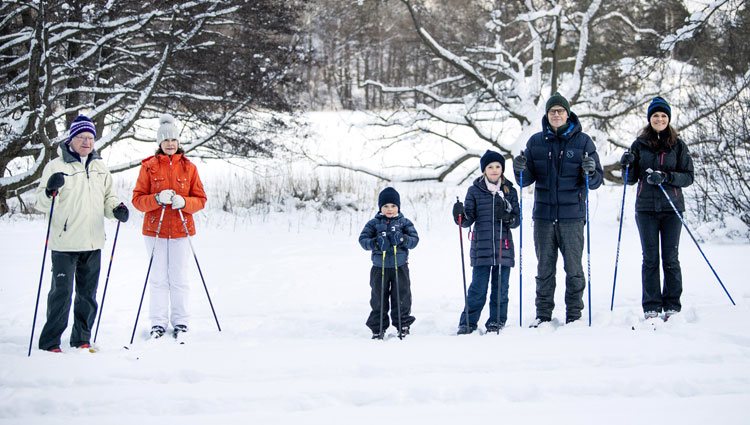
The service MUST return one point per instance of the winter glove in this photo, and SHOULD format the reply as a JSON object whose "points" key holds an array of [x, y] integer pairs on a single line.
{"points": [[503, 210], [588, 164], [519, 164], [121, 213], [627, 159], [54, 183], [657, 178], [178, 202], [381, 242], [165, 197], [458, 211], [396, 238]]}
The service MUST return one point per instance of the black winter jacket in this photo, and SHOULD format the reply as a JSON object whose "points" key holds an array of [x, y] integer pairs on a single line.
{"points": [[554, 164], [675, 161], [486, 240], [381, 224]]}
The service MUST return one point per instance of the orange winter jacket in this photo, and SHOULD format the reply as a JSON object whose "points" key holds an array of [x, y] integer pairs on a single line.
{"points": [[161, 172]]}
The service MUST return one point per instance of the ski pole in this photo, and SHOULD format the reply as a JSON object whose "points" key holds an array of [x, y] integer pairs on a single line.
{"points": [[588, 242], [499, 276], [41, 274], [148, 271], [463, 266], [619, 235], [693, 237], [184, 225], [520, 250], [398, 294], [109, 268], [382, 294]]}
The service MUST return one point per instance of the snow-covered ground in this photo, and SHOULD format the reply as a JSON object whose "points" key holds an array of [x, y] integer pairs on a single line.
{"points": [[291, 292]]}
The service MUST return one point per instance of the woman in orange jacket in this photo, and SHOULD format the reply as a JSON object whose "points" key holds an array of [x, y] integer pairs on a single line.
{"points": [[168, 184]]}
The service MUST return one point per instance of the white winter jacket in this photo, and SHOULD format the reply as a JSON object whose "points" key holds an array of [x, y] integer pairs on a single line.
{"points": [[81, 204]]}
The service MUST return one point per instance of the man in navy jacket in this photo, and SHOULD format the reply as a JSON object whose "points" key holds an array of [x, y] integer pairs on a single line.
{"points": [[556, 160]]}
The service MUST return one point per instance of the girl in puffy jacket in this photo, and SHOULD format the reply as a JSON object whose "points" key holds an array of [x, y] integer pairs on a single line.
{"points": [[491, 206], [168, 184]]}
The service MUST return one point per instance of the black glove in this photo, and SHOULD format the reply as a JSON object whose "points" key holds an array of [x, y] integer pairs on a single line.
{"points": [[588, 164], [458, 210], [121, 213], [627, 159], [381, 242], [54, 183], [657, 178], [396, 238], [519, 163], [503, 210]]}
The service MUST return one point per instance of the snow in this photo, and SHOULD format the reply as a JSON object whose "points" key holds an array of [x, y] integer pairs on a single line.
{"points": [[290, 288]]}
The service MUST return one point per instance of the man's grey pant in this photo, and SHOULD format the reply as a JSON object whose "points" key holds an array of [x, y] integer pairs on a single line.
{"points": [[568, 238]]}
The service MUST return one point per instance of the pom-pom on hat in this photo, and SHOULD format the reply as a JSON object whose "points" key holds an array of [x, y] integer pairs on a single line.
{"points": [[659, 104], [167, 129], [557, 100], [489, 157], [80, 125], [389, 196]]}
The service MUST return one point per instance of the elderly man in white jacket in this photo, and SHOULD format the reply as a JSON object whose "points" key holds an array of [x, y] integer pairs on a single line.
{"points": [[82, 187]]}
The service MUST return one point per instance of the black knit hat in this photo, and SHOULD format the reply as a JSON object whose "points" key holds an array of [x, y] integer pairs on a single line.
{"points": [[389, 196], [557, 100], [658, 104], [491, 156]]}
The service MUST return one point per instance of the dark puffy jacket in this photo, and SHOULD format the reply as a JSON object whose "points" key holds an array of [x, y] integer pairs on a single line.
{"points": [[380, 224], [554, 164], [675, 161], [486, 241]]}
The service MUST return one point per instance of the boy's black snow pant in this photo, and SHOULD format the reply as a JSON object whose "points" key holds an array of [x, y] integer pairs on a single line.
{"points": [[404, 296], [83, 267], [664, 227]]}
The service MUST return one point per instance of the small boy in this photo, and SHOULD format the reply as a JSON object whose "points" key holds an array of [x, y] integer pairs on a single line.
{"points": [[386, 235]]}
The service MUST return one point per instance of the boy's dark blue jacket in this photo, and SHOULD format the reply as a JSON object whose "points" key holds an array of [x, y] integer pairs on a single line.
{"points": [[486, 241], [380, 224], [554, 164]]}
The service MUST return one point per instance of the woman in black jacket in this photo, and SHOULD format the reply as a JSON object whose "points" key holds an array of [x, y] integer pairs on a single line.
{"points": [[659, 157], [492, 207]]}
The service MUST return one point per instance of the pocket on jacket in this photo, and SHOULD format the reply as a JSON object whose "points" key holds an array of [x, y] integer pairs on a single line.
{"points": [[182, 183]]}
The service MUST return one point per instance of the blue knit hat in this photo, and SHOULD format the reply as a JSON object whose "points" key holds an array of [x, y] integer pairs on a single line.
{"points": [[389, 196], [491, 156], [659, 104], [79, 125]]}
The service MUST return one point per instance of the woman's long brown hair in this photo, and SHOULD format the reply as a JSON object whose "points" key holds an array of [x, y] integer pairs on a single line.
{"points": [[652, 136]]}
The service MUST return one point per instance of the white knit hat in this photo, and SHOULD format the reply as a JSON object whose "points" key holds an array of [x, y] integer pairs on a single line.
{"points": [[167, 129]]}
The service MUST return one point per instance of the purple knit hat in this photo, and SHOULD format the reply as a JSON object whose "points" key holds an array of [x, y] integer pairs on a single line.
{"points": [[79, 125]]}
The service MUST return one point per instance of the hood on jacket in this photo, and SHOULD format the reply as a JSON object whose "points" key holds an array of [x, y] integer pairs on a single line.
{"points": [[574, 126]]}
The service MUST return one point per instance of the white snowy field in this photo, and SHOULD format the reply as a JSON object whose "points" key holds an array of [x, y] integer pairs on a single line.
{"points": [[291, 293]]}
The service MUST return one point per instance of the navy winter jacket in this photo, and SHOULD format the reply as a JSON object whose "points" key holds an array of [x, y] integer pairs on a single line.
{"points": [[554, 164], [381, 224], [486, 240], [675, 161]]}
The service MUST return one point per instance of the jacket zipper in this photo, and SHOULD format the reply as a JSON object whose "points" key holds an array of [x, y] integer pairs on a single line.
{"points": [[494, 262]]}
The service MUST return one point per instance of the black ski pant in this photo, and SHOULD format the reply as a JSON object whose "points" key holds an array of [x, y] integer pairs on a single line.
{"points": [[567, 237], [665, 228], [389, 297], [67, 267]]}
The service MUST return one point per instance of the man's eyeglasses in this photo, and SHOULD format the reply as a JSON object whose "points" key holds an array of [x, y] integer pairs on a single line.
{"points": [[84, 138], [557, 111]]}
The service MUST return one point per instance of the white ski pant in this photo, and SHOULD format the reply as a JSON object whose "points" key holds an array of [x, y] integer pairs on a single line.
{"points": [[168, 281]]}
